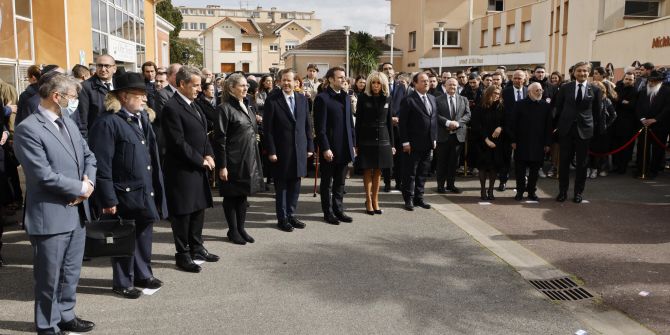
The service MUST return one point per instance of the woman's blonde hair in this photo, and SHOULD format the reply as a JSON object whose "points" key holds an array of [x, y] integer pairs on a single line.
{"points": [[377, 77]]}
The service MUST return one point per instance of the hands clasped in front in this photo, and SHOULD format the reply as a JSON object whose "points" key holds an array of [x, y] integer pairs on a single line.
{"points": [[86, 195]]}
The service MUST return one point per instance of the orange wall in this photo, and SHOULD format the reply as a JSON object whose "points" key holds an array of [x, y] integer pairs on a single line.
{"points": [[49, 31], [79, 31], [150, 31]]}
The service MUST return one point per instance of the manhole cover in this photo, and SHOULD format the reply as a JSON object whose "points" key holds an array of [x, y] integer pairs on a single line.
{"points": [[561, 289]]}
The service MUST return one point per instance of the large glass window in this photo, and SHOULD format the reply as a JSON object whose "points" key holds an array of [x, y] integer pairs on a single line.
{"points": [[120, 18], [648, 8], [95, 14], [23, 8]]}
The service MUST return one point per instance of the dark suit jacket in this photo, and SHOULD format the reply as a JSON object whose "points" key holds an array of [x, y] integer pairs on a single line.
{"points": [[288, 136], [659, 109], [509, 101], [417, 126], [399, 93], [531, 130], [461, 115], [334, 125], [24, 109], [186, 184], [91, 103], [129, 170], [584, 115]]}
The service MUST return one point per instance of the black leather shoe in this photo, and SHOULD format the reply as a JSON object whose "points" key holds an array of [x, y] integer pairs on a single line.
{"points": [[578, 198], [387, 188], [409, 205], [441, 190], [204, 255], [343, 217], [533, 197], [77, 325], [330, 218], [561, 197], [283, 225], [379, 211], [295, 223], [185, 262], [483, 195], [128, 293], [235, 237], [421, 203], [151, 283], [490, 196], [519, 196], [454, 189], [502, 187]]}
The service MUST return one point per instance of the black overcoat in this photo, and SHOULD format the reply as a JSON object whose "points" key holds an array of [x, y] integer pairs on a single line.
{"points": [[236, 143], [287, 136], [531, 129], [417, 126], [484, 122], [334, 125], [374, 132], [186, 144]]}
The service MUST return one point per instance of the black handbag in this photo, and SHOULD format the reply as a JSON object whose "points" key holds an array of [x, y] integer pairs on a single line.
{"points": [[110, 238]]}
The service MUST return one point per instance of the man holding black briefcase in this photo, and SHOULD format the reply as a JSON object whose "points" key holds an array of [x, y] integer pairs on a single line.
{"points": [[130, 181]]}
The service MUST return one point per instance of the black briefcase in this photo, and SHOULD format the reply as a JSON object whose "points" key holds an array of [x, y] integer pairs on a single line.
{"points": [[114, 237]]}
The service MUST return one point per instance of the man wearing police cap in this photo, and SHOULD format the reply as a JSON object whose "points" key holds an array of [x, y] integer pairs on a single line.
{"points": [[130, 181]]}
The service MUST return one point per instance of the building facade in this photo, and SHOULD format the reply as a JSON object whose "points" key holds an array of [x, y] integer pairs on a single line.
{"points": [[69, 32], [239, 39], [526, 33]]}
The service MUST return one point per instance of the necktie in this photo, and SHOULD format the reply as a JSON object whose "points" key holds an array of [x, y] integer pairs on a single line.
{"points": [[109, 86], [136, 121], [427, 104], [518, 95], [452, 109], [291, 105], [63, 132], [579, 97], [195, 110]]}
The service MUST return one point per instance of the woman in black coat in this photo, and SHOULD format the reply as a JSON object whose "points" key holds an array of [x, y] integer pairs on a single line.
{"points": [[236, 141], [374, 134], [487, 126]]}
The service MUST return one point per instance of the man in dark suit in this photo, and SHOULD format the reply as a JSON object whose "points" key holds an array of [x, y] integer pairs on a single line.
{"points": [[530, 134], [149, 70], [398, 92], [130, 181], [510, 95], [335, 137], [288, 141], [577, 111], [418, 135], [162, 98], [626, 123], [653, 111], [60, 175], [93, 92], [188, 159], [453, 114]]}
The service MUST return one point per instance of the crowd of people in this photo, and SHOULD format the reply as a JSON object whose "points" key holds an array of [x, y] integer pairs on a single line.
{"points": [[149, 146]]}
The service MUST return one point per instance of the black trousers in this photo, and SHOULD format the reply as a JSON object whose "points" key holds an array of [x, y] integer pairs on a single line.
{"points": [[503, 173], [332, 186], [572, 146], [520, 173], [187, 231], [655, 162], [621, 159], [415, 168], [448, 154], [287, 192], [126, 269]]}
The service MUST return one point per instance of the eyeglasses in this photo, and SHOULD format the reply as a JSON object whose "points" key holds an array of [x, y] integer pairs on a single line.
{"points": [[67, 95], [106, 66]]}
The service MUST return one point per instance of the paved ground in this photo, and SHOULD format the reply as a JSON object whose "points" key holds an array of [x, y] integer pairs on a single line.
{"points": [[618, 244], [399, 273]]}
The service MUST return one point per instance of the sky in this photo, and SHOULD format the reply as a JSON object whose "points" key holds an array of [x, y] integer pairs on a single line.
{"points": [[362, 15]]}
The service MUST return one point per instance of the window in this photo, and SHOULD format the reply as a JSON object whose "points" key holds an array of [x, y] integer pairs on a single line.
{"points": [[525, 31], [227, 44], [274, 47], [451, 38], [496, 6], [484, 38], [511, 34], [184, 25], [246, 47], [565, 17], [245, 67], [412, 40], [256, 15], [497, 36], [203, 26], [210, 12], [194, 26], [289, 45], [646, 8], [227, 67]]}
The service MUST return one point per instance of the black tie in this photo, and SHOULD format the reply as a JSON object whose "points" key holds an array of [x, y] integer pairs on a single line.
{"points": [[195, 110], [579, 98], [135, 119], [109, 86], [452, 110], [63, 132]]}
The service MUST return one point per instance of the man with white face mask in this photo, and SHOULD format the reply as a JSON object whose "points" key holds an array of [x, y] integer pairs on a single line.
{"points": [[530, 135], [123, 138], [653, 110]]}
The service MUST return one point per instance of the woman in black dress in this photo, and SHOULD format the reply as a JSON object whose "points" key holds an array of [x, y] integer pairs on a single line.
{"points": [[487, 124], [238, 156], [374, 137]]}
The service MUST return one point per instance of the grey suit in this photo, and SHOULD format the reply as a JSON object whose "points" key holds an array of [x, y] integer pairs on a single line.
{"points": [[54, 167], [449, 143]]}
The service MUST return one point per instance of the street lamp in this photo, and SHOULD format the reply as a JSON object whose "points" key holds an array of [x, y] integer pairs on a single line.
{"points": [[346, 33], [392, 27], [440, 27]]}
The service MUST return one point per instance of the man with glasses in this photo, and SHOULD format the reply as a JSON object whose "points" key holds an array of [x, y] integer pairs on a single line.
{"points": [[93, 92], [462, 79]]}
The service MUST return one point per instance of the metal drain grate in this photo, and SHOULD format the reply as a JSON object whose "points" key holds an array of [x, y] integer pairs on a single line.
{"points": [[561, 289]]}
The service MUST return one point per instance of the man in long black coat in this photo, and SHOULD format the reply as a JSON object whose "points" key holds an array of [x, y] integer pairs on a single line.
{"points": [[653, 109], [129, 178], [334, 125], [626, 123], [188, 159], [288, 141], [418, 135], [577, 112], [510, 96], [531, 137]]}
